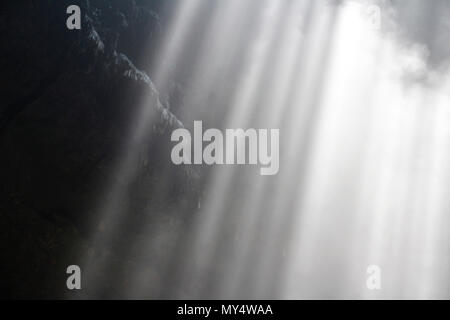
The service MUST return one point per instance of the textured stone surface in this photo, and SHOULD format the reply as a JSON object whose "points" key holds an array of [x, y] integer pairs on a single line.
{"points": [[67, 101]]}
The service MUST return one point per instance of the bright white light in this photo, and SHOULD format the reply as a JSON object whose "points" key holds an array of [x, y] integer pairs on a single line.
{"points": [[363, 175], [372, 195]]}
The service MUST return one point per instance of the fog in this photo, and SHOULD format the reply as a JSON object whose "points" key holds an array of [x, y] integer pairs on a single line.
{"points": [[361, 101]]}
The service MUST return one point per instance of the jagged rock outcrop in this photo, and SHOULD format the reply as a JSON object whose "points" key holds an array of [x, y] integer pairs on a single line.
{"points": [[68, 98]]}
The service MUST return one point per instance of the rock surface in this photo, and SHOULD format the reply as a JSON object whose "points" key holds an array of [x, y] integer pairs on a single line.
{"points": [[68, 98]]}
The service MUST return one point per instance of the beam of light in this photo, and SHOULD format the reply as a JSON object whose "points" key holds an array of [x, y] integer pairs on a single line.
{"points": [[114, 197], [170, 53], [274, 215], [215, 54], [278, 95], [363, 169], [244, 99], [389, 232], [278, 213], [285, 57], [337, 124], [227, 18]]}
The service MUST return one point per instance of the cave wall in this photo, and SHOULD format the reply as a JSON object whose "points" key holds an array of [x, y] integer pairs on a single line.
{"points": [[68, 98]]}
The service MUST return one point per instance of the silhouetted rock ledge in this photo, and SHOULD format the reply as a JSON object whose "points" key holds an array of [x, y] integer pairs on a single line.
{"points": [[68, 101]]}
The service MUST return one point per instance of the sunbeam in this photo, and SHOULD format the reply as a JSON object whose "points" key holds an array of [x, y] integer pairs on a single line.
{"points": [[363, 173]]}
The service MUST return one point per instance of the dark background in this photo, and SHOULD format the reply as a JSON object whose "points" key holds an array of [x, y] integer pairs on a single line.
{"points": [[66, 99]]}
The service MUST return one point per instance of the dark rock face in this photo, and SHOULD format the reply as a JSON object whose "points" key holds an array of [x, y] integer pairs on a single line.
{"points": [[68, 99]]}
